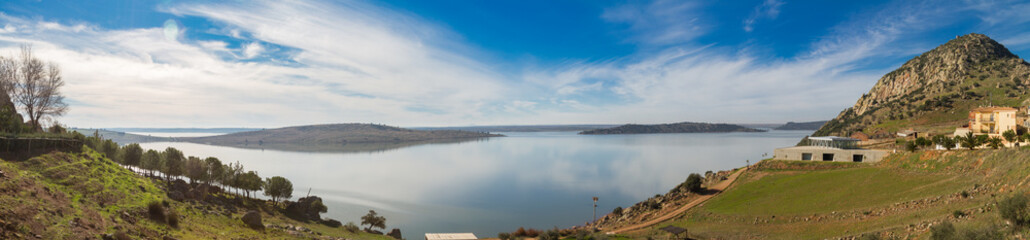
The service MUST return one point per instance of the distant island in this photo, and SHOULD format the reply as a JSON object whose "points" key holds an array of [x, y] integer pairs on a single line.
{"points": [[120, 137], [683, 127], [522, 128], [334, 135], [801, 125]]}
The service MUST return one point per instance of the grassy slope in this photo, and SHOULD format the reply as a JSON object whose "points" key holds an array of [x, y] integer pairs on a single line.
{"points": [[75, 195], [900, 196]]}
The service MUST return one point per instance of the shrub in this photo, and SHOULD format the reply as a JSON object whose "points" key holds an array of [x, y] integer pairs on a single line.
{"points": [[617, 211], [958, 214], [504, 236], [156, 211], [1015, 209], [693, 183], [122, 236], [351, 227], [942, 231], [985, 232], [519, 233], [332, 223], [965, 194], [550, 235], [872, 236], [532, 233], [173, 218]]}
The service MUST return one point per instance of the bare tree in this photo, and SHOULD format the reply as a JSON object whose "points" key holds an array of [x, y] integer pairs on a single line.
{"points": [[37, 88]]}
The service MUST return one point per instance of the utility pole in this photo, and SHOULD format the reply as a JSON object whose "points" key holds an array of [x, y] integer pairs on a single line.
{"points": [[595, 211]]}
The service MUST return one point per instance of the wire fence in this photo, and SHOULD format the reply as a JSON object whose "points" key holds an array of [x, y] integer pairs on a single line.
{"points": [[19, 148]]}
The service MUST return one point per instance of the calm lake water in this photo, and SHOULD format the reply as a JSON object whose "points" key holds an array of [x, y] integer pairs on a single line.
{"points": [[536, 180]]}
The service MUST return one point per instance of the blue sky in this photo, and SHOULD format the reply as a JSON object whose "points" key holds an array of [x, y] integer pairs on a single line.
{"points": [[445, 63]]}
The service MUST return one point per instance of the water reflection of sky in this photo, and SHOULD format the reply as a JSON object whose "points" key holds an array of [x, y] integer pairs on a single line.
{"points": [[538, 180]]}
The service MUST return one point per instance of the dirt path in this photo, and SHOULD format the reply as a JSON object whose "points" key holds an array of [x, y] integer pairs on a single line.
{"points": [[718, 188]]}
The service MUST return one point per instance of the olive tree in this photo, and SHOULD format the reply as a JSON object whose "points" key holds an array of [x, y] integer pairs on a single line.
{"points": [[215, 170], [373, 220], [151, 161], [173, 163], [196, 169], [132, 154], [278, 188]]}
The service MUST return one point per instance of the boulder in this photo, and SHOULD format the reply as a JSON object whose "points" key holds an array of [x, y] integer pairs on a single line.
{"points": [[395, 233], [253, 220], [306, 209]]}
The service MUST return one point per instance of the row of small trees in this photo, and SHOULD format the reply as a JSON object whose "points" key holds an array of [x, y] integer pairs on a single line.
{"points": [[172, 163], [970, 141]]}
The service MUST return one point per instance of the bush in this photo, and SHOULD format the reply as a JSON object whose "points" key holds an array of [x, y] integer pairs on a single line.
{"points": [[986, 232], [156, 211], [351, 227], [121, 236], [173, 218], [550, 235], [1015, 209], [504, 236], [947, 231], [958, 214], [519, 233], [532, 233], [617, 211], [693, 183], [872, 236], [331, 223], [942, 231]]}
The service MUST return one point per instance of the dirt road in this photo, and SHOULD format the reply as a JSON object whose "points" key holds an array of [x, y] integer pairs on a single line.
{"points": [[718, 188]]}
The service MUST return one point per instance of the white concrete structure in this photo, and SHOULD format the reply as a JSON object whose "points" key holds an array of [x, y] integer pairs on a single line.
{"points": [[827, 154], [450, 236], [830, 148]]}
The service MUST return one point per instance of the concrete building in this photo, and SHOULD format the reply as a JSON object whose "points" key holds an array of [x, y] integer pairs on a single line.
{"points": [[450, 236], [992, 120], [836, 149]]}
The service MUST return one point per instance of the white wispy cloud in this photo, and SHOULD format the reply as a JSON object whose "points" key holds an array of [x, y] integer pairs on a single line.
{"points": [[357, 63], [769, 9], [659, 22]]}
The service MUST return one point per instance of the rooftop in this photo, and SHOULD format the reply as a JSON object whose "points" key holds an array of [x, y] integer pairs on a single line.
{"points": [[833, 138], [450, 236], [993, 109]]}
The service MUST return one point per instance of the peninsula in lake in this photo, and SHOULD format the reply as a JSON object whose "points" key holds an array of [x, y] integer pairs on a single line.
{"points": [[336, 135], [683, 127]]}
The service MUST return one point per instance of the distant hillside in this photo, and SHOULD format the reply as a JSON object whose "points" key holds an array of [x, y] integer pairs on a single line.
{"points": [[683, 127], [185, 130], [121, 138], [801, 125], [934, 91], [521, 128], [334, 134]]}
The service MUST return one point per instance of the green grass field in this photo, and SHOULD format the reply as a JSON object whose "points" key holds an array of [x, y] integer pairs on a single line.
{"points": [[84, 195], [899, 197], [831, 190]]}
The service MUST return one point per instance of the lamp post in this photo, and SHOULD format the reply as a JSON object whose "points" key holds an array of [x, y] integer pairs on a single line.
{"points": [[595, 210]]}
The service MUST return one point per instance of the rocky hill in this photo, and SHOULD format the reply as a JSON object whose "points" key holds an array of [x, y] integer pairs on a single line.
{"points": [[683, 127], [935, 90], [801, 125]]}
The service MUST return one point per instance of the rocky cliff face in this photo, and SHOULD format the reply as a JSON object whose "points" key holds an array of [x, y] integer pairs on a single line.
{"points": [[959, 71]]}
